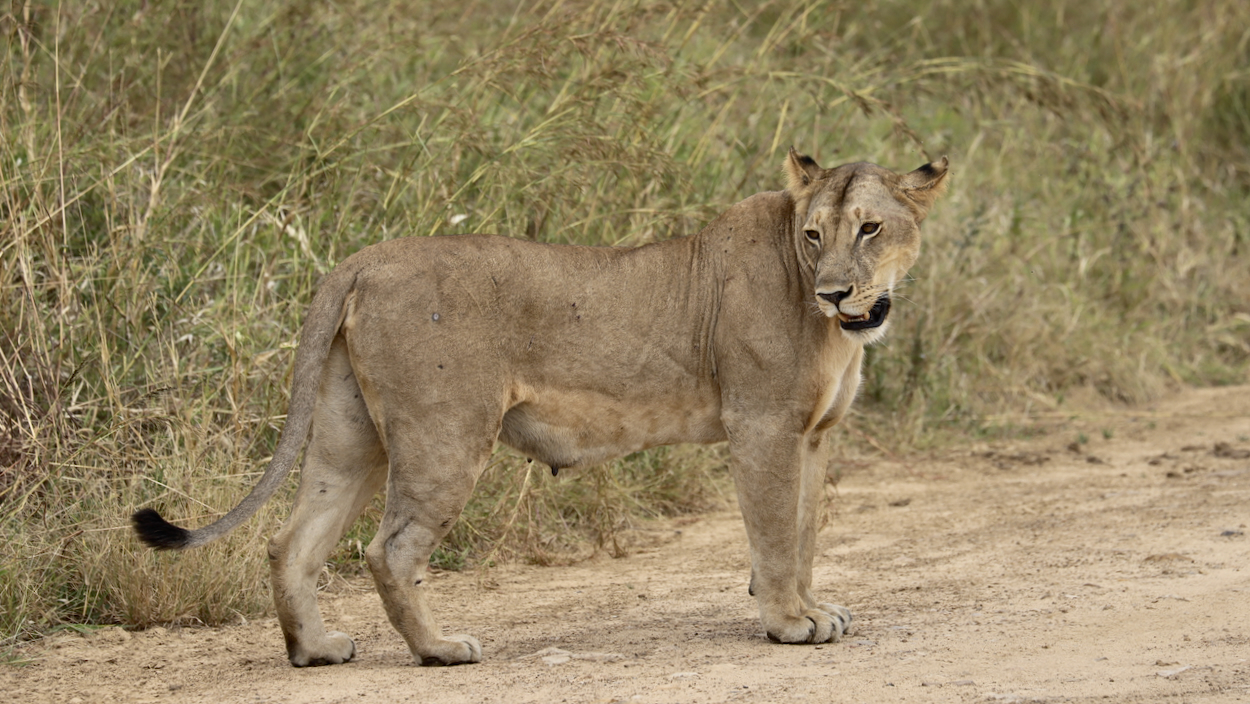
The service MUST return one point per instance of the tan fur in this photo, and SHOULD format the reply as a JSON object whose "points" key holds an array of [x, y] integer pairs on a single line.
{"points": [[420, 354]]}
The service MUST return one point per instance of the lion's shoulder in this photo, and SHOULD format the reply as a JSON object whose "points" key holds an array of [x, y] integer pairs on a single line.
{"points": [[761, 208]]}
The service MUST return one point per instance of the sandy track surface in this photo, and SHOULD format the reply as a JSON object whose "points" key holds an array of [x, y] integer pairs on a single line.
{"points": [[1116, 570]]}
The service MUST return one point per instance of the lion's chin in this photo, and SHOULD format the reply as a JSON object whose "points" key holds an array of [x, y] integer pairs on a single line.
{"points": [[867, 336]]}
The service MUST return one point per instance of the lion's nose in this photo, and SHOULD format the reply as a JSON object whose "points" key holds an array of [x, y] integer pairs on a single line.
{"points": [[835, 297]]}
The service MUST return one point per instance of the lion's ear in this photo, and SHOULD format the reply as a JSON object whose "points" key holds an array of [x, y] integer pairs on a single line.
{"points": [[923, 186], [801, 170]]}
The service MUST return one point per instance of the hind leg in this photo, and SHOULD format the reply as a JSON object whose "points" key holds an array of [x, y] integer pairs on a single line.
{"points": [[344, 467], [432, 472]]}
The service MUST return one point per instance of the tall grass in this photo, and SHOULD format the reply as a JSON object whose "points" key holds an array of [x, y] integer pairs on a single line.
{"points": [[176, 177]]}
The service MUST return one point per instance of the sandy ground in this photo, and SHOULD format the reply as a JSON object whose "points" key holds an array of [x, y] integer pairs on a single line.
{"points": [[1030, 571]]}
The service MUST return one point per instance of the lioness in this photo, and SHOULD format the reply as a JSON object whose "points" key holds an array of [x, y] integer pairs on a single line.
{"points": [[419, 354]]}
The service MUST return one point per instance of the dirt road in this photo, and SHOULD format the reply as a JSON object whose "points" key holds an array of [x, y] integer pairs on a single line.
{"points": [[1116, 570]]}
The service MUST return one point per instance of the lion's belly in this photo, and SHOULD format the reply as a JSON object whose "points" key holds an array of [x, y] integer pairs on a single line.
{"points": [[578, 429]]}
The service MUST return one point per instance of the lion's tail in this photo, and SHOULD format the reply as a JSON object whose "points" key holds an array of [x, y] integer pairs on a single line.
{"points": [[321, 325]]}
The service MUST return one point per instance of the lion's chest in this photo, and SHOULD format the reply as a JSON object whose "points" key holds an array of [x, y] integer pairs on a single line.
{"points": [[835, 382]]}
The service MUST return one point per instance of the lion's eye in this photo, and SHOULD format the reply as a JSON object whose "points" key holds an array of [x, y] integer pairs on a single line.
{"points": [[869, 228], [812, 235]]}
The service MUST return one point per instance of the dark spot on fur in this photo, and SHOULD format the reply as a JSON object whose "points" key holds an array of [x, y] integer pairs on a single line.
{"points": [[554, 470], [440, 366], [417, 583]]}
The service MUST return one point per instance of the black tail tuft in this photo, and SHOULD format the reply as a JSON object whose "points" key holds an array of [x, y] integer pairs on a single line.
{"points": [[156, 532]]}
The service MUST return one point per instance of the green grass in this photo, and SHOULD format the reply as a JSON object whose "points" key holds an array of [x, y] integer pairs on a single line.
{"points": [[175, 177]]}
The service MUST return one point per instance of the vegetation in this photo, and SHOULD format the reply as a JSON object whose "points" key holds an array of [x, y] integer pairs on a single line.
{"points": [[175, 176]]}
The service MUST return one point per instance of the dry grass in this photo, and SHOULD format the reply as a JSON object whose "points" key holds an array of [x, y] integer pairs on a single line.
{"points": [[174, 177]]}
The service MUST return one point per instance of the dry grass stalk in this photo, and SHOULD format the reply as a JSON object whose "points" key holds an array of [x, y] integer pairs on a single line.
{"points": [[174, 178]]}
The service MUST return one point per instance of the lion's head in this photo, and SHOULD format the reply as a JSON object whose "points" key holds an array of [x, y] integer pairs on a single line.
{"points": [[858, 227]]}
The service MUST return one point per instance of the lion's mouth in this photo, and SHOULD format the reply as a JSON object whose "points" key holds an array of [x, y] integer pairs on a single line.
{"points": [[872, 319]]}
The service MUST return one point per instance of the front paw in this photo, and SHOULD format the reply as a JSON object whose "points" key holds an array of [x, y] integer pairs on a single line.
{"points": [[841, 615], [452, 650], [814, 626], [337, 648]]}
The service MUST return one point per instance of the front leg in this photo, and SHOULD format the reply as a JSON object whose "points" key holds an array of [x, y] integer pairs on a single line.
{"points": [[811, 515], [776, 502], [811, 506]]}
